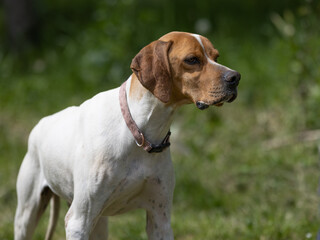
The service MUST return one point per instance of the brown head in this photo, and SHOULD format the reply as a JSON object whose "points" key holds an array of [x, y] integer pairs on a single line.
{"points": [[182, 68]]}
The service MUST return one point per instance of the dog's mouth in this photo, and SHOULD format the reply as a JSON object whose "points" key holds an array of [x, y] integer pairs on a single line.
{"points": [[218, 103]]}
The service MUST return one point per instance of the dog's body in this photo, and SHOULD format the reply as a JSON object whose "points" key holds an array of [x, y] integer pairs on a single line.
{"points": [[88, 156]]}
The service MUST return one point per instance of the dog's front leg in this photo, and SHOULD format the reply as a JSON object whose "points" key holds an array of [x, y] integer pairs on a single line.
{"points": [[158, 224], [81, 219], [77, 224]]}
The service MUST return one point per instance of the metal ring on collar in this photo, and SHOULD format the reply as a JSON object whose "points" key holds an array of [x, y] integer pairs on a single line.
{"points": [[142, 143]]}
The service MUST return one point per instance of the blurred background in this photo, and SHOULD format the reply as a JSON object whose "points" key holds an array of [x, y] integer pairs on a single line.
{"points": [[247, 170]]}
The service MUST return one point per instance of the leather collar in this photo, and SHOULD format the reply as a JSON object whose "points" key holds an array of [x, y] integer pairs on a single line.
{"points": [[140, 139]]}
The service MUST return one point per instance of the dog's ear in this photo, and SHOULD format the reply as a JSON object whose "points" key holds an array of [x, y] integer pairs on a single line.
{"points": [[151, 66]]}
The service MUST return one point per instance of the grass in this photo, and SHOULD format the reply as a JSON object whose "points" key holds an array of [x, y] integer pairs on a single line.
{"points": [[228, 184]]}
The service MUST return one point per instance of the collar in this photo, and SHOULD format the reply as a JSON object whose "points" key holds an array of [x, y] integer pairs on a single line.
{"points": [[140, 139]]}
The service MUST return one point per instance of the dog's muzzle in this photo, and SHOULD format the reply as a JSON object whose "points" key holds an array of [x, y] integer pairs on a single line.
{"points": [[229, 97], [231, 81]]}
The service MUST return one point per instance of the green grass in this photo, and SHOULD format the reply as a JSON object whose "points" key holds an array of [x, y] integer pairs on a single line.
{"points": [[229, 184]]}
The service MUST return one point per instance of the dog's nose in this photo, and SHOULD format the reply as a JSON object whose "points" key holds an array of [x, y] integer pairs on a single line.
{"points": [[232, 78]]}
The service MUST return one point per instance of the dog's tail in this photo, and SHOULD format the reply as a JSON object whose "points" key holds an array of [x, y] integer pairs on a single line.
{"points": [[54, 214]]}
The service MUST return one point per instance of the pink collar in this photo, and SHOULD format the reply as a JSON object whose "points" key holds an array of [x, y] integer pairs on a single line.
{"points": [[141, 141]]}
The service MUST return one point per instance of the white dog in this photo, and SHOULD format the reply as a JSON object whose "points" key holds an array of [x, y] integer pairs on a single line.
{"points": [[95, 157]]}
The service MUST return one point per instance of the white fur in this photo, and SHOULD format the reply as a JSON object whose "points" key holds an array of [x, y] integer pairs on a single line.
{"points": [[87, 155]]}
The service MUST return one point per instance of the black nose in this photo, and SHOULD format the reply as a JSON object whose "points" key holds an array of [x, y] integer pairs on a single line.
{"points": [[232, 78]]}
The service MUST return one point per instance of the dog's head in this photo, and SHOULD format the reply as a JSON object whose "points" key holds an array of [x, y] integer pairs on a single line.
{"points": [[182, 68]]}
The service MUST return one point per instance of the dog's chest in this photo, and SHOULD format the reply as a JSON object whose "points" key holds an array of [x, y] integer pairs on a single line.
{"points": [[134, 189], [126, 196]]}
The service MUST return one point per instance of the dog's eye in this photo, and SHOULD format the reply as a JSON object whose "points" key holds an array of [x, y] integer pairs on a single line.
{"points": [[192, 60]]}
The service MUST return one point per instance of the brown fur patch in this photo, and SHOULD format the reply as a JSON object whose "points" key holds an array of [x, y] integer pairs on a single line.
{"points": [[192, 83], [151, 66], [182, 83]]}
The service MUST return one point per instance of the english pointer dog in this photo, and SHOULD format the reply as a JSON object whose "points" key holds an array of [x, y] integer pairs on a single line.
{"points": [[111, 154]]}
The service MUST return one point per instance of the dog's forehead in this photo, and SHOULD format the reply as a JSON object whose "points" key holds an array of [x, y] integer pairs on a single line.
{"points": [[191, 42], [209, 48], [183, 42]]}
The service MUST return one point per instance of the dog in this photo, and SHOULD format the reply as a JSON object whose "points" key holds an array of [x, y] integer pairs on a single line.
{"points": [[111, 154]]}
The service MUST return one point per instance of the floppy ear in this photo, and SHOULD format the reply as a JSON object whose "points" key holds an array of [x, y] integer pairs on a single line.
{"points": [[151, 66]]}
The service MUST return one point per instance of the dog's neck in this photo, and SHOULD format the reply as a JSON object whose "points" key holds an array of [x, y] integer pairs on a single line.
{"points": [[151, 115]]}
